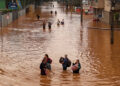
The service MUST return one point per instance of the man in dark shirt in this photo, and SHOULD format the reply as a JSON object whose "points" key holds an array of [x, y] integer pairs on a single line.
{"points": [[43, 68]]}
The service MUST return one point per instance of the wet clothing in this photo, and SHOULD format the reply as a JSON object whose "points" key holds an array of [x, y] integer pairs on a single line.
{"points": [[44, 25], [38, 17], [48, 64], [51, 12], [65, 64], [58, 23], [79, 67], [62, 22], [55, 12], [49, 61], [49, 25], [43, 68]]}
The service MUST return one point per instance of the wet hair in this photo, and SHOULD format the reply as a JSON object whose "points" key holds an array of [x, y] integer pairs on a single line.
{"points": [[66, 55], [47, 55], [78, 60]]}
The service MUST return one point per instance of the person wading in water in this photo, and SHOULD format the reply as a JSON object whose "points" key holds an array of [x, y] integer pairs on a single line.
{"points": [[76, 66], [44, 25], [49, 25], [45, 66], [65, 62]]}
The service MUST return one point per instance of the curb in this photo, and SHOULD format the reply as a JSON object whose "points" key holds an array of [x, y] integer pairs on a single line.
{"points": [[102, 28]]}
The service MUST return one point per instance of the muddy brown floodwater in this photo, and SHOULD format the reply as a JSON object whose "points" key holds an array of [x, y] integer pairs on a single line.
{"points": [[23, 45]]}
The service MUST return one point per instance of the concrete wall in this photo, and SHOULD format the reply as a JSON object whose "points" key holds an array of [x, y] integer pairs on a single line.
{"points": [[98, 4], [21, 12], [106, 17], [7, 18], [107, 5]]}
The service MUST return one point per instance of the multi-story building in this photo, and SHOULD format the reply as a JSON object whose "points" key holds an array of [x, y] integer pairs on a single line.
{"points": [[102, 10], [98, 7]]}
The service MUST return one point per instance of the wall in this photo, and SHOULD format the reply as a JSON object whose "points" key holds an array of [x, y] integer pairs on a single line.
{"points": [[107, 5], [98, 4], [21, 12], [106, 17], [14, 15], [7, 18]]}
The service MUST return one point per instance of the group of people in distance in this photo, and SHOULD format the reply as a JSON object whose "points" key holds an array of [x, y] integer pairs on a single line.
{"points": [[49, 25], [52, 12], [45, 65]]}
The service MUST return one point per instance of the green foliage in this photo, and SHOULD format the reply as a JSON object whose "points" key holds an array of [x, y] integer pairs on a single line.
{"points": [[72, 2], [6, 10]]}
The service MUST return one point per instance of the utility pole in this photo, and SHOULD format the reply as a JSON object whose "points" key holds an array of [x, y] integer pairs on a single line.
{"points": [[111, 26], [112, 21], [81, 3]]}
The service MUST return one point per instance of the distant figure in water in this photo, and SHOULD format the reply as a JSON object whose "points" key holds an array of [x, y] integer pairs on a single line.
{"points": [[76, 66], [38, 16], [58, 22], [62, 22], [55, 12], [51, 12], [65, 62], [45, 66], [49, 25], [44, 25]]}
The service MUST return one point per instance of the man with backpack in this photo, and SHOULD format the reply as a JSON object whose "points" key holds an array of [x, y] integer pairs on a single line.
{"points": [[65, 62]]}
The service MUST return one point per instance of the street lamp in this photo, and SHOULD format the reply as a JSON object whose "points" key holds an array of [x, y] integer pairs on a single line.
{"points": [[112, 21]]}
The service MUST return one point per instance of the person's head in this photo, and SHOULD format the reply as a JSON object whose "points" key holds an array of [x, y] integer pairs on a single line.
{"points": [[46, 56], [66, 55], [77, 61]]}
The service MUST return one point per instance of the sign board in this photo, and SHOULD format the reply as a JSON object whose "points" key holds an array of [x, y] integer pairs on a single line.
{"points": [[12, 5]]}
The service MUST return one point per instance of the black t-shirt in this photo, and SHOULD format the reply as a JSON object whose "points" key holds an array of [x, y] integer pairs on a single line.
{"points": [[43, 67]]}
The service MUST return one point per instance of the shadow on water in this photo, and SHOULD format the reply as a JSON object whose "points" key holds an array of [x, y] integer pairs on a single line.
{"points": [[45, 81]]}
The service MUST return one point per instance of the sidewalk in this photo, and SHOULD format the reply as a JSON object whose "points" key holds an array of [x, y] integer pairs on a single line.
{"points": [[97, 25]]}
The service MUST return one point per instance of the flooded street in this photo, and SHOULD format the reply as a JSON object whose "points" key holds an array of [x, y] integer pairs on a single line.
{"points": [[24, 43]]}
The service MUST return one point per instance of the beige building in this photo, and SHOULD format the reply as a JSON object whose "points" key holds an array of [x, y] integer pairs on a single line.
{"points": [[102, 10]]}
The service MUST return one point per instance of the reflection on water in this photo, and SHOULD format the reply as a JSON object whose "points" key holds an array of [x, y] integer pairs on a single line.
{"points": [[25, 43]]}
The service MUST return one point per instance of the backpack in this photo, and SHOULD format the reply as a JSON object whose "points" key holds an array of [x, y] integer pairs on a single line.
{"points": [[61, 60], [49, 60]]}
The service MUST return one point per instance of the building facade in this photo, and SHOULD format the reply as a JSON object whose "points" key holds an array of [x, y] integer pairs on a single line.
{"points": [[102, 10]]}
